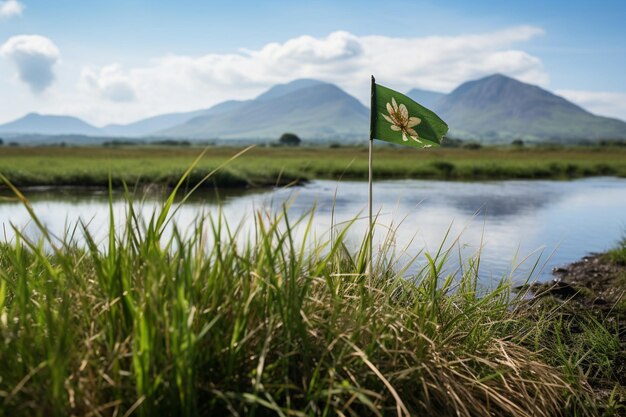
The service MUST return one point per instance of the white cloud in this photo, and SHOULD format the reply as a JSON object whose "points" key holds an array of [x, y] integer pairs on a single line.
{"points": [[34, 57], [109, 83], [11, 8], [602, 103], [179, 82]]}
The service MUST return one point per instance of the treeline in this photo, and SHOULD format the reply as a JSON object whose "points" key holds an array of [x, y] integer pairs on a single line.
{"points": [[289, 139], [165, 142]]}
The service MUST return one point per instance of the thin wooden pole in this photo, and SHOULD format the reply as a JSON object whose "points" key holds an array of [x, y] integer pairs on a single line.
{"points": [[370, 181]]}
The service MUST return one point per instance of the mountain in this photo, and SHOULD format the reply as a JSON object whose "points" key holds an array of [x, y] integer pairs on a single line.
{"points": [[153, 124], [494, 109], [34, 123], [498, 108], [282, 89], [309, 108], [163, 122], [426, 98]]}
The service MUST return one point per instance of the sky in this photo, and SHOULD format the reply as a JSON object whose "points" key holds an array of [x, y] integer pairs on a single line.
{"points": [[118, 61]]}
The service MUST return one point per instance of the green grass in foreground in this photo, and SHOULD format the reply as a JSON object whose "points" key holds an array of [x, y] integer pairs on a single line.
{"points": [[90, 166], [148, 325], [618, 254]]}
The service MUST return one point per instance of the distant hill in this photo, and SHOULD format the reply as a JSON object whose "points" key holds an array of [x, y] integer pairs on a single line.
{"points": [[498, 109], [426, 98], [154, 124], [34, 123], [309, 108]]}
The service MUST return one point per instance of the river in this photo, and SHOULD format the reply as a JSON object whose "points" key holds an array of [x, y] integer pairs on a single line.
{"points": [[515, 225]]}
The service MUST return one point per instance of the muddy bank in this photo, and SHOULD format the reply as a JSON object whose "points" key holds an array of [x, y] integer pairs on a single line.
{"points": [[594, 282], [587, 299]]}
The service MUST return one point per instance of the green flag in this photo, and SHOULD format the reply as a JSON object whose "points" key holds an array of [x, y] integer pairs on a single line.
{"points": [[398, 119]]}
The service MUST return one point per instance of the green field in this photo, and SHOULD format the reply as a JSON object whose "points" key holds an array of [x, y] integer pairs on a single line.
{"points": [[147, 325], [90, 166]]}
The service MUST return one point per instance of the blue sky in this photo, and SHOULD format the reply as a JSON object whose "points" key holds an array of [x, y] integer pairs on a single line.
{"points": [[116, 61]]}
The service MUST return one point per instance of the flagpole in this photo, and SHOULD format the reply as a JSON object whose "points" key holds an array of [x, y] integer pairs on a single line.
{"points": [[370, 178]]}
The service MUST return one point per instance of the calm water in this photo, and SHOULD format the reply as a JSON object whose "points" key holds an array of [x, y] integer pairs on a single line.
{"points": [[515, 223]]}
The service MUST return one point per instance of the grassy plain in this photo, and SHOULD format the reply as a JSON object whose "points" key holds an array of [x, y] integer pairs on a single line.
{"points": [[262, 166], [146, 324]]}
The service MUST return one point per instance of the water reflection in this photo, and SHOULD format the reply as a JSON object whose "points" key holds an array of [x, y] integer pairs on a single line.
{"points": [[549, 222]]}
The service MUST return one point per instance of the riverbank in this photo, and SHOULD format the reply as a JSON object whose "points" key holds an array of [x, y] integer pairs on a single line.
{"points": [[594, 282], [262, 167], [590, 295]]}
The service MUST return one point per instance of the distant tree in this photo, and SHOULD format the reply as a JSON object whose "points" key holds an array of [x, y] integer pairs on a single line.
{"points": [[289, 139], [472, 145], [117, 143], [612, 142], [449, 142], [171, 142], [14, 144], [518, 143], [1, 142]]}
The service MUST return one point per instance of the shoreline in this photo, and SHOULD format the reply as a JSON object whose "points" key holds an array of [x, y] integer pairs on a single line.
{"points": [[244, 183], [593, 282], [588, 301]]}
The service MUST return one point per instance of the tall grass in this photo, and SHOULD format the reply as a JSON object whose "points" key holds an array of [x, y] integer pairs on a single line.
{"points": [[617, 255], [214, 321]]}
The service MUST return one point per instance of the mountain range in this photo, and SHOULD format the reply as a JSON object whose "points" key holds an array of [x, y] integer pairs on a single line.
{"points": [[493, 109]]}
